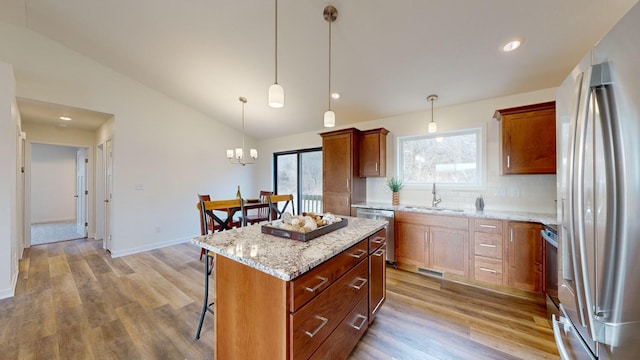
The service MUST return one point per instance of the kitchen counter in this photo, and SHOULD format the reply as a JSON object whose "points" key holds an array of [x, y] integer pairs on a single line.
{"points": [[283, 258], [546, 219]]}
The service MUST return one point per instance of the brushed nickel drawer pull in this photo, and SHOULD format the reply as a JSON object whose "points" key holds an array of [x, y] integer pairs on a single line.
{"points": [[363, 320], [323, 280], [378, 239], [488, 270], [488, 245], [358, 256], [362, 283], [314, 332], [379, 252], [487, 226]]}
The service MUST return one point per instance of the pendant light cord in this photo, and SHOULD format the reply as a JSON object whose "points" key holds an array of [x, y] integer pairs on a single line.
{"points": [[276, 32], [329, 66], [432, 109]]}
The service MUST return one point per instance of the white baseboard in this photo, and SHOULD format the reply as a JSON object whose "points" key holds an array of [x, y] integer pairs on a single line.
{"points": [[118, 253], [45, 221], [10, 292]]}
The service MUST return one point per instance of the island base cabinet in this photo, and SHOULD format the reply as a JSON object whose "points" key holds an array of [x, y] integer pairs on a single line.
{"points": [[315, 321], [340, 343]]}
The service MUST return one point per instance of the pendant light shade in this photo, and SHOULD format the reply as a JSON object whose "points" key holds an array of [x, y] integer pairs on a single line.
{"points": [[433, 126], [329, 118], [276, 96], [276, 91], [330, 14]]}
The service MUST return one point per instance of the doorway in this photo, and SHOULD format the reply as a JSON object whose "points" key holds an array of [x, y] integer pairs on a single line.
{"points": [[59, 193]]}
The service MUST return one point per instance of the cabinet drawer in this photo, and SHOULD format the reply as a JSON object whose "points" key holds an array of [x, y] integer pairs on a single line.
{"points": [[442, 221], [488, 245], [309, 285], [376, 240], [488, 270], [346, 336], [313, 323], [488, 226]]}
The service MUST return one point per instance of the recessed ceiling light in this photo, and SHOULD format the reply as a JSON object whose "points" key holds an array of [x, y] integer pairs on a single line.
{"points": [[65, 118], [335, 95], [511, 45], [63, 125]]}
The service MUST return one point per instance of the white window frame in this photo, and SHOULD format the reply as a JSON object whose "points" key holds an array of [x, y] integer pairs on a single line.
{"points": [[480, 183]]}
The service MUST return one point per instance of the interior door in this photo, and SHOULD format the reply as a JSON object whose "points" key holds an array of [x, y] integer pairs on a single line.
{"points": [[81, 191], [108, 195]]}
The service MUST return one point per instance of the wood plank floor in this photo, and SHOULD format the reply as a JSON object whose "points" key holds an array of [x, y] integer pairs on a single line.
{"points": [[74, 302]]}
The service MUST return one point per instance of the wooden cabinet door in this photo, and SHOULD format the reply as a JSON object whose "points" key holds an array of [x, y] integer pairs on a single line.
{"points": [[377, 281], [529, 139], [525, 256], [449, 250], [336, 163], [411, 242], [373, 153], [337, 203]]}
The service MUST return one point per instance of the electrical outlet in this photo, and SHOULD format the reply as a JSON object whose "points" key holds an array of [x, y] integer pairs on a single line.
{"points": [[138, 187]]}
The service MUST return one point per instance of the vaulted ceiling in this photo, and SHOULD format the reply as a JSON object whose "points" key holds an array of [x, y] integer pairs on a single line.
{"points": [[388, 56]]}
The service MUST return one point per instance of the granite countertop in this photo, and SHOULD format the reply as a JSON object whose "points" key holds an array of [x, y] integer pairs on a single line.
{"points": [[283, 258], [546, 219]]}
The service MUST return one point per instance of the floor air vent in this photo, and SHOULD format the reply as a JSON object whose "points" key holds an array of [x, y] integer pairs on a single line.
{"points": [[429, 272]]}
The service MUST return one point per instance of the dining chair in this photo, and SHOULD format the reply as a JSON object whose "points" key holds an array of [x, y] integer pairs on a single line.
{"points": [[208, 215], [262, 213], [212, 224], [275, 210]]}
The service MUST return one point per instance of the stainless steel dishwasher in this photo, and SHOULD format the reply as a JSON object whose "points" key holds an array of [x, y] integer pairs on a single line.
{"points": [[387, 215]]}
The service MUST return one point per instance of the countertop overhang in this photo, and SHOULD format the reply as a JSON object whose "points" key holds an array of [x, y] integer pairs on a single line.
{"points": [[285, 258], [545, 219]]}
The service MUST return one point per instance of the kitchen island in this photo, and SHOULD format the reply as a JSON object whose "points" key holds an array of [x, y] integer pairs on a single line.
{"points": [[277, 298]]}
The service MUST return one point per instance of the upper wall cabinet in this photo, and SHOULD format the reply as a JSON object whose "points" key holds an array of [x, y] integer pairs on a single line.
{"points": [[373, 153], [528, 137]]}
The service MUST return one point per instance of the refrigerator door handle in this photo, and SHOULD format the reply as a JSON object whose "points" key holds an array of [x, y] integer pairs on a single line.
{"points": [[605, 101], [557, 335], [576, 196]]}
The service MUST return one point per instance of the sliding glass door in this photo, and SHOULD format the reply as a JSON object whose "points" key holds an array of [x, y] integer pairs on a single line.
{"points": [[299, 172]]}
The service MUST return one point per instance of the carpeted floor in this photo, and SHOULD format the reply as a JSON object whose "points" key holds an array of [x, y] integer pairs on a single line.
{"points": [[54, 231]]}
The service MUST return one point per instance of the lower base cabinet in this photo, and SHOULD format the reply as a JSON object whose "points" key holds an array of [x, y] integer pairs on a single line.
{"points": [[377, 273]]}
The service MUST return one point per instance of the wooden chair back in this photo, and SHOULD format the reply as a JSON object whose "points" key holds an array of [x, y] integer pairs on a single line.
{"points": [[230, 207], [275, 210]]}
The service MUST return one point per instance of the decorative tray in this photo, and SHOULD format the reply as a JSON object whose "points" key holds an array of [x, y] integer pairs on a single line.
{"points": [[270, 229]]}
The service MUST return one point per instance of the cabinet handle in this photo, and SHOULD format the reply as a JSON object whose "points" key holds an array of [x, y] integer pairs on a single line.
{"points": [[487, 226], [376, 171], [314, 332], [378, 239], [359, 286], [488, 270], [347, 183], [508, 161], [511, 235], [363, 320], [323, 280], [379, 252], [488, 245], [358, 256]]}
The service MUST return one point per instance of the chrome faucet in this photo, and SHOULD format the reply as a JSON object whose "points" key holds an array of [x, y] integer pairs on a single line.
{"points": [[436, 199]]}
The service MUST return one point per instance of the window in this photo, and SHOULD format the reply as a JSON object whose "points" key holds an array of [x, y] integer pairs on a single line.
{"points": [[449, 158], [300, 172]]}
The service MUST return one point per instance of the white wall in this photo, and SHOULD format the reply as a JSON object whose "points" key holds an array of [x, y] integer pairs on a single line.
{"points": [[162, 147], [536, 192], [53, 183], [10, 248]]}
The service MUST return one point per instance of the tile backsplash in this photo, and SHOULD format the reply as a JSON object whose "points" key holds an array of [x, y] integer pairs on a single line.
{"points": [[528, 193]]}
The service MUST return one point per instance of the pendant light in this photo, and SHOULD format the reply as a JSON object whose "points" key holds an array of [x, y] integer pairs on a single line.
{"points": [[276, 92], [330, 14], [238, 155], [433, 127]]}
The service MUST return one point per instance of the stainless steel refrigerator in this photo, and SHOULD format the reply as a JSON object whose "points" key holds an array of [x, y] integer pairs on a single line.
{"points": [[598, 124]]}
